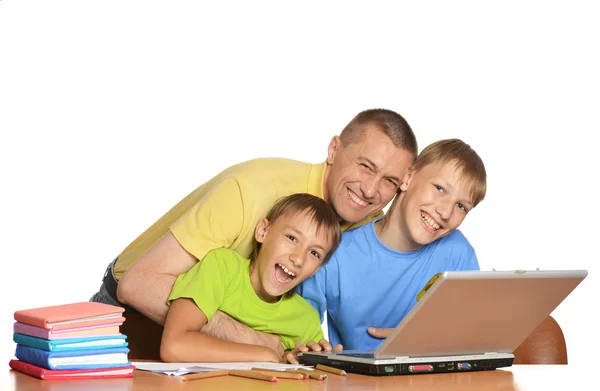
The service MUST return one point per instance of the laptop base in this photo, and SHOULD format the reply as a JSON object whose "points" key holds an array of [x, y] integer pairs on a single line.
{"points": [[408, 368]]}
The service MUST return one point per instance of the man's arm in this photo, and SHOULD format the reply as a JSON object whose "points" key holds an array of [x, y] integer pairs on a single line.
{"points": [[224, 327], [182, 343], [211, 223], [147, 283]]}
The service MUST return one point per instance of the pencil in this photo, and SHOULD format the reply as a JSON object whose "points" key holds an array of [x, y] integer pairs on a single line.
{"points": [[304, 374], [313, 374], [204, 375], [252, 375], [280, 374], [335, 371]]}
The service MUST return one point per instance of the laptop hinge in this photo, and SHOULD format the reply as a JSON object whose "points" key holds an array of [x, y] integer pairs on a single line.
{"points": [[490, 353]]}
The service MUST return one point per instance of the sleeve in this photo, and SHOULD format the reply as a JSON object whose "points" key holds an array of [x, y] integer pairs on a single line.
{"points": [[206, 283], [314, 291], [468, 260], [214, 221]]}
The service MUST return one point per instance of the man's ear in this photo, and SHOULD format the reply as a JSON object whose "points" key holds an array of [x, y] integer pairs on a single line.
{"points": [[334, 146], [261, 230], [407, 178]]}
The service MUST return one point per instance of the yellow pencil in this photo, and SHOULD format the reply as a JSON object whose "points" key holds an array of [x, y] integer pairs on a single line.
{"points": [[252, 375], [335, 371], [304, 374], [313, 374], [204, 375], [281, 374]]}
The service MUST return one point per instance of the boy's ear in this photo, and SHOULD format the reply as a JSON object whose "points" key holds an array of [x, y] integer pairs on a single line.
{"points": [[407, 178], [261, 230], [334, 145]]}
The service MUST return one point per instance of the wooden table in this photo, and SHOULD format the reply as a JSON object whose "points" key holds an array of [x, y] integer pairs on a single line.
{"points": [[518, 377]]}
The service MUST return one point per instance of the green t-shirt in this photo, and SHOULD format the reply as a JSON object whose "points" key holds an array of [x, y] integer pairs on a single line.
{"points": [[222, 282]]}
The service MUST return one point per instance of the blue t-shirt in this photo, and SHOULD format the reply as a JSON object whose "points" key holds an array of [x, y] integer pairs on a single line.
{"points": [[368, 284]]}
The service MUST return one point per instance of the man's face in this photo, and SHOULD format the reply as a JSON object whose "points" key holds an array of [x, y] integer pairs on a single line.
{"points": [[291, 251], [434, 201], [364, 176]]}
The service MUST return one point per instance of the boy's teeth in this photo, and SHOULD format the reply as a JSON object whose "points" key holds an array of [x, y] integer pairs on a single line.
{"points": [[288, 271], [430, 222]]}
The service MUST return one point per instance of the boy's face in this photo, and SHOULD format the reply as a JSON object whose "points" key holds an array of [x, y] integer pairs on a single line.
{"points": [[434, 201], [364, 176], [291, 251]]}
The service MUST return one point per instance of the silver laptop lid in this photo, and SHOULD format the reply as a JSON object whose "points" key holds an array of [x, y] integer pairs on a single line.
{"points": [[472, 312]]}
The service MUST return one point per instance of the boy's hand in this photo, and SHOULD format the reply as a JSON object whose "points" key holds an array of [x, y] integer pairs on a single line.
{"points": [[323, 345], [379, 332]]}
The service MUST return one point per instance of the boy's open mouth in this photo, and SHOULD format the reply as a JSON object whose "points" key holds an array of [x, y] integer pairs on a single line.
{"points": [[283, 274]]}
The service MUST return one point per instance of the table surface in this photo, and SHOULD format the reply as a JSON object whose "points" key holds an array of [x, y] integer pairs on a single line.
{"points": [[517, 377]]}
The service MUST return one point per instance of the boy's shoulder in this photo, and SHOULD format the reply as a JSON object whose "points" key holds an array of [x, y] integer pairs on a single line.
{"points": [[455, 239], [226, 256]]}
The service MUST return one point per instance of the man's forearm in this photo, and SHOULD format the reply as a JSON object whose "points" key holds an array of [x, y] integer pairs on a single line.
{"points": [[224, 327], [148, 295]]}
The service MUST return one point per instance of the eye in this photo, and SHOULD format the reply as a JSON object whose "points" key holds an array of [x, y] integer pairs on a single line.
{"points": [[315, 254], [392, 183], [462, 207], [364, 166], [439, 188], [292, 238]]}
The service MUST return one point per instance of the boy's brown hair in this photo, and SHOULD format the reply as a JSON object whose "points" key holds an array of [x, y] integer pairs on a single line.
{"points": [[319, 211], [466, 161]]}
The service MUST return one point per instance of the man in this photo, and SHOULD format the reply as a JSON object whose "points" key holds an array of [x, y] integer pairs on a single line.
{"points": [[377, 271], [362, 173]]}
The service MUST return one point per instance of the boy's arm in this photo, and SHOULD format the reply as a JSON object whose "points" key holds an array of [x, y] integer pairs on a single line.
{"points": [[181, 341], [213, 222]]}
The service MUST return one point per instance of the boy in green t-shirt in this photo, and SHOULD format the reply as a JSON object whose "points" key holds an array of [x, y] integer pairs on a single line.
{"points": [[296, 238]]}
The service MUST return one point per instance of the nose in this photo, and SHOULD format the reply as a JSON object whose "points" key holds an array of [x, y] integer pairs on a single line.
{"points": [[369, 186], [297, 258], [445, 208]]}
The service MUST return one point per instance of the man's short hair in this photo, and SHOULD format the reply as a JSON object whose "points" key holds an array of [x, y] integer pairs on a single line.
{"points": [[388, 122]]}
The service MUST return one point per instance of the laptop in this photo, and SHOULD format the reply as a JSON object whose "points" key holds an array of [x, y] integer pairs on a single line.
{"points": [[464, 321]]}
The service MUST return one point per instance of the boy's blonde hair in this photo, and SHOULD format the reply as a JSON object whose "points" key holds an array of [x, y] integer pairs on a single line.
{"points": [[463, 157], [319, 212]]}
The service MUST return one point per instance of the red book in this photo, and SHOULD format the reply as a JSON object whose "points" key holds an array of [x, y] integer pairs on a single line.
{"points": [[67, 316], [48, 374]]}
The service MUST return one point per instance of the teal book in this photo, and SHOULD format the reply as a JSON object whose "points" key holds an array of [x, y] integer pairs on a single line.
{"points": [[60, 345]]}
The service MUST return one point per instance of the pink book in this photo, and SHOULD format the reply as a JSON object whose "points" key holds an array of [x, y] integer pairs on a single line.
{"points": [[73, 315], [49, 374], [78, 332]]}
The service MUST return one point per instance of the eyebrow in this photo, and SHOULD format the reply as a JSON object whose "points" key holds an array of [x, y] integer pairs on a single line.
{"points": [[447, 184], [298, 233], [397, 179]]}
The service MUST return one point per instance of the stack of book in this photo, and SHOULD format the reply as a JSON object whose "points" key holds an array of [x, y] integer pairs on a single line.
{"points": [[77, 340]]}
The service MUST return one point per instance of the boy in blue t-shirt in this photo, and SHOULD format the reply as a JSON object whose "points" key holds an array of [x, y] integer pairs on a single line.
{"points": [[296, 238], [377, 271]]}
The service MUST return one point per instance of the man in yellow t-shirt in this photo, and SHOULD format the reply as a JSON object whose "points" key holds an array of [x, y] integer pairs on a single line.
{"points": [[361, 174]]}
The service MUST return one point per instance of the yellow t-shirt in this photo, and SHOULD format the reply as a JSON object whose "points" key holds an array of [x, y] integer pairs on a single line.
{"points": [[224, 211], [222, 282]]}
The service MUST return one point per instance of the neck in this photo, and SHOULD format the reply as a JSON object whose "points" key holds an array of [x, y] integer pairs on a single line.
{"points": [[392, 231]]}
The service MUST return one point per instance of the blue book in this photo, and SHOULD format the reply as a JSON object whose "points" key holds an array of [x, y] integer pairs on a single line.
{"points": [[57, 345], [74, 359]]}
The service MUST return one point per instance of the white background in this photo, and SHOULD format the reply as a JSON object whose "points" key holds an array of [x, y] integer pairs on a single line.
{"points": [[112, 111]]}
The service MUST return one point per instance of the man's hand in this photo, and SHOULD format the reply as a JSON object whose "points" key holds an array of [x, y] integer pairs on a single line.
{"points": [[291, 356], [224, 327], [379, 332]]}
